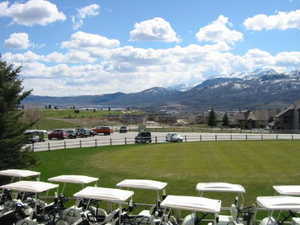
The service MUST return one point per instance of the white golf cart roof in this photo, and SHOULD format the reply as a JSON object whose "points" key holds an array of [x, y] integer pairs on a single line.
{"points": [[106, 194], [220, 187], [29, 186], [192, 203], [279, 202], [19, 173], [74, 179], [142, 184], [287, 189]]}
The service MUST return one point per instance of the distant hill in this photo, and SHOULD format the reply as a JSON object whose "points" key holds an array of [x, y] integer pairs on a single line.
{"points": [[257, 89]]}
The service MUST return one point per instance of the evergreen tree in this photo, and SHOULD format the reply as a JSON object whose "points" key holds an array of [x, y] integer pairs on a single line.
{"points": [[225, 120], [12, 127], [212, 119]]}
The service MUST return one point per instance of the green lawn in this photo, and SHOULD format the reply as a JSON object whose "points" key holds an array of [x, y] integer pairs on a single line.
{"points": [[70, 114], [256, 165], [49, 124]]}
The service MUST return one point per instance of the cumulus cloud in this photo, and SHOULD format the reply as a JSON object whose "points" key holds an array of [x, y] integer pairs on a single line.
{"points": [[81, 40], [82, 13], [156, 29], [219, 31], [17, 41], [32, 12], [131, 69], [281, 21]]}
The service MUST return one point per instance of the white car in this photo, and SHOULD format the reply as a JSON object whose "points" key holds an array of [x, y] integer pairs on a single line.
{"points": [[173, 137]]}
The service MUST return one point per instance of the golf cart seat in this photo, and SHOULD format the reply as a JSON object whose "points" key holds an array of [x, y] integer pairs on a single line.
{"points": [[145, 213]]}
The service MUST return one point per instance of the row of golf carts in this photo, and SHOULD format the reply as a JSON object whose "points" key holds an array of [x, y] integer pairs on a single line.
{"points": [[26, 202]]}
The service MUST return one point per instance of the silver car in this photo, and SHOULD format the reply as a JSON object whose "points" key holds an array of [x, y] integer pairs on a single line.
{"points": [[173, 137]]}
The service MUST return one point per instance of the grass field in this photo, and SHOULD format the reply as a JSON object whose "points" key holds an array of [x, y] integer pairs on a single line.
{"points": [[70, 114], [49, 124], [256, 165]]}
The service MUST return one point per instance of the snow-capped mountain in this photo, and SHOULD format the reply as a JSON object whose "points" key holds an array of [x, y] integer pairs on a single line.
{"points": [[261, 88]]}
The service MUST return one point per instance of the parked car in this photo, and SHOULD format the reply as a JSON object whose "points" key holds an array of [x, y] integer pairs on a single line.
{"points": [[103, 130], [85, 132], [143, 137], [173, 137], [123, 129], [57, 134], [71, 133], [33, 136]]}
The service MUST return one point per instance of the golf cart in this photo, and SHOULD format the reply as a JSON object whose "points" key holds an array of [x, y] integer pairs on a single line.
{"points": [[239, 214], [93, 196], [153, 215], [72, 214], [29, 209], [7, 203], [286, 206], [199, 207]]}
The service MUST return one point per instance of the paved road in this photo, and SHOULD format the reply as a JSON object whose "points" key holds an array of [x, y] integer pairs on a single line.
{"points": [[157, 137]]}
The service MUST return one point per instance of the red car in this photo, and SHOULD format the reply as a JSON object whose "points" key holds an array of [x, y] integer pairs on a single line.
{"points": [[58, 134], [103, 130]]}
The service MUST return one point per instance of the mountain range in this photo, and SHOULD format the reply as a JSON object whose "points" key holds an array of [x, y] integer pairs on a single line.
{"points": [[258, 89]]}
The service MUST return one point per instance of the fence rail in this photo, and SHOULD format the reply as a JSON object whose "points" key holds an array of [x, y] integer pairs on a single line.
{"points": [[98, 141]]}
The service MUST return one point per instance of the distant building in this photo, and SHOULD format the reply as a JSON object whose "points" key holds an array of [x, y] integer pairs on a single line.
{"points": [[289, 118], [252, 119]]}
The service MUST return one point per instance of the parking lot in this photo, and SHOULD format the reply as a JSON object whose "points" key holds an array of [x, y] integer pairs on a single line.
{"points": [[157, 137]]}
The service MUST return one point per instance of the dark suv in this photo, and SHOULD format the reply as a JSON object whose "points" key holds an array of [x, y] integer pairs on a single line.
{"points": [[143, 137]]}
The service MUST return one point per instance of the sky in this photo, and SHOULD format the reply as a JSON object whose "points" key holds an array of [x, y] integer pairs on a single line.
{"points": [[93, 47]]}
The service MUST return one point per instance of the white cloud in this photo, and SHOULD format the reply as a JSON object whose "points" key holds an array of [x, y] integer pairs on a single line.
{"points": [[131, 69], [281, 21], [219, 32], [81, 40], [82, 13], [32, 12], [18, 41], [156, 29], [288, 59], [21, 58]]}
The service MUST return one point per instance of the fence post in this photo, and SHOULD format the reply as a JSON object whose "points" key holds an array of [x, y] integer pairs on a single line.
{"points": [[277, 137], [96, 144], [125, 141], [33, 146], [65, 145], [185, 138], [262, 137], [155, 139], [80, 144], [246, 137], [216, 137], [292, 137], [231, 137], [110, 141], [49, 146], [200, 137]]}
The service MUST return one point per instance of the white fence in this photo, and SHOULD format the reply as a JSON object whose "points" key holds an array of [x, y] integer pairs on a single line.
{"points": [[97, 141]]}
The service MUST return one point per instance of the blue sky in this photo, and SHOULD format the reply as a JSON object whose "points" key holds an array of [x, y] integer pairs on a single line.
{"points": [[69, 47]]}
